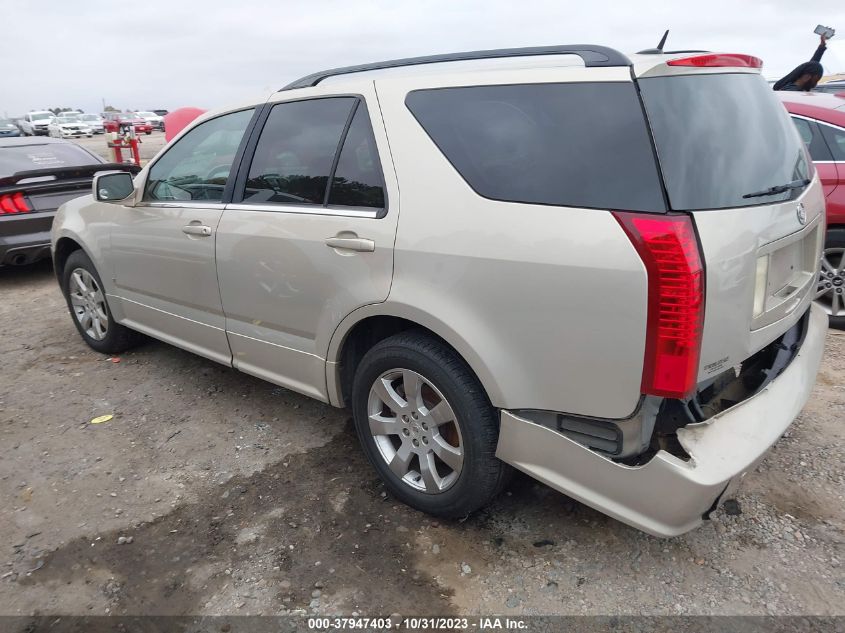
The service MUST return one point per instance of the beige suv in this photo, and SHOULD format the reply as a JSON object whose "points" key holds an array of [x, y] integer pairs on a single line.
{"points": [[595, 268]]}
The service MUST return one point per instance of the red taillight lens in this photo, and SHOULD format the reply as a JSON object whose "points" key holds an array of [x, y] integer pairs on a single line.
{"points": [[14, 203], [669, 249], [718, 60]]}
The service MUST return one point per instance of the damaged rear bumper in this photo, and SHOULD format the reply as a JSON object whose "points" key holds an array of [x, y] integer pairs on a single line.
{"points": [[668, 496]]}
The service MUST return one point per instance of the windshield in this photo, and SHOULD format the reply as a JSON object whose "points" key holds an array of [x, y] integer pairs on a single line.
{"points": [[40, 116], [720, 137], [69, 118], [89, 117], [7, 122], [146, 114], [17, 158]]}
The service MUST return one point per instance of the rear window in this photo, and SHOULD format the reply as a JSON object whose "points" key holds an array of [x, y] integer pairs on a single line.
{"points": [[579, 145], [720, 137], [28, 157]]}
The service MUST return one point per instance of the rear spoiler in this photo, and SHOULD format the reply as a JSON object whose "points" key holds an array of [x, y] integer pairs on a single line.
{"points": [[66, 173]]}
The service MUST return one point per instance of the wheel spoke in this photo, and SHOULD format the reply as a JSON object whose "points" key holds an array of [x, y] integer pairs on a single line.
{"points": [[827, 266], [428, 470], [77, 279], [77, 300], [380, 425], [412, 382], [441, 413], [836, 304], [401, 461], [452, 456], [98, 327], [387, 394]]}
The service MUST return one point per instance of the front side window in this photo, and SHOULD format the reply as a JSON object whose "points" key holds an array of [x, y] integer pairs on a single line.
{"points": [[197, 166]]}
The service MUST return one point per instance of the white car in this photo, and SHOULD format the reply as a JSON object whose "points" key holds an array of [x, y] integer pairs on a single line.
{"points": [[153, 119], [94, 121], [35, 123], [68, 125]]}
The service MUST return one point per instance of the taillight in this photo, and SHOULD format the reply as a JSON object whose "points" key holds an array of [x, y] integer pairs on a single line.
{"points": [[668, 247], [14, 203], [718, 60]]}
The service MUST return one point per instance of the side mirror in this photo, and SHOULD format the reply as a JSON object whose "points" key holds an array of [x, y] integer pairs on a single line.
{"points": [[112, 186]]}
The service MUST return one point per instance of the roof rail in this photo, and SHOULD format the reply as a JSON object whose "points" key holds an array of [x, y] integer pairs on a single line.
{"points": [[592, 55]]}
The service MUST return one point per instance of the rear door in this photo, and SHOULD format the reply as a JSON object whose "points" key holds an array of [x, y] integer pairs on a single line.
{"points": [[722, 139], [162, 248], [309, 235]]}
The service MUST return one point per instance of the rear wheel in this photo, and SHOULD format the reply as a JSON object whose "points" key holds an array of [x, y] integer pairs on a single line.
{"points": [[831, 289], [89, 308], [427, 426]]}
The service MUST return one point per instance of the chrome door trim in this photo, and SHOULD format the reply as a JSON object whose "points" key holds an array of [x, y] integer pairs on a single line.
{"points": [[183, 205], [305, 210]]}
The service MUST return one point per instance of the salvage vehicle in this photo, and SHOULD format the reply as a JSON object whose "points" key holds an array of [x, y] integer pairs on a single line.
{"points": [[35, 123], [36, 176], [94, 121], [68, 126], [820, 120], [124, 121], [588, 266], [8, 128]]}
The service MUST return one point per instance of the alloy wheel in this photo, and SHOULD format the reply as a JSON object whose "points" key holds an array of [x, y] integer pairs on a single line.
{"points": [[830, 292], [89, 304], [415, 430]]}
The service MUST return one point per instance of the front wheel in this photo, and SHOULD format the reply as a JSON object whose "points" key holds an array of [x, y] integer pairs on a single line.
{"points": [[427, 426], [89, 308], [831, 289]]}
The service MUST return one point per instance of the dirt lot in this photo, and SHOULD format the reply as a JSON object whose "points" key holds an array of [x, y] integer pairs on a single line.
{"points": [[150, 144], [238, 497]]}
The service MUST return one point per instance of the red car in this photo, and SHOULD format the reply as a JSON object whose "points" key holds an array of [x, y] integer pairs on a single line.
{"points": [[820, 119], [117, 121]]}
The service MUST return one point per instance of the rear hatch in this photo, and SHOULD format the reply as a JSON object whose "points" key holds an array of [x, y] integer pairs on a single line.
{"points": [[722, 139]]}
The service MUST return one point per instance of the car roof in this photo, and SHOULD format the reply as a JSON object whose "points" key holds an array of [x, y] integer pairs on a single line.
{"points": [[19, 141], [815, 105]]}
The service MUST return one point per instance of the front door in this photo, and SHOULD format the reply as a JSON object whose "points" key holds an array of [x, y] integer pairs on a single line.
{"points": [[163, 248], [308, 238]]}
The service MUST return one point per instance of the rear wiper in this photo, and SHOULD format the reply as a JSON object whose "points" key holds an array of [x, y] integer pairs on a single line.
{"points": [[795, 184]]}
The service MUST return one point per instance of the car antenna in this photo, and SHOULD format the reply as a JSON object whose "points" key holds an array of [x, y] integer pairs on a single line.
{"points": [[659, 49]]}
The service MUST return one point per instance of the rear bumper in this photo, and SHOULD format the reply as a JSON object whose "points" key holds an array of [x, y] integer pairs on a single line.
{"points": [[668, 496], [19, 243]]}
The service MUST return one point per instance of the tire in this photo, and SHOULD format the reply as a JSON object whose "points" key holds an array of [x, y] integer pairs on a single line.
{"points": [[409, 358], [115, 338], [832, 277]]}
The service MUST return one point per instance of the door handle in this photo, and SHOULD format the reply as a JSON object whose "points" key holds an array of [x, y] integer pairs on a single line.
{"points": [[359, 244], [197, 229]]}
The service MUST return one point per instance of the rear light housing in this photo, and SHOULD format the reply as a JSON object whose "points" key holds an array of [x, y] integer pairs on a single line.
{"points": [[718, 60], [668, 248], [11, 203]]}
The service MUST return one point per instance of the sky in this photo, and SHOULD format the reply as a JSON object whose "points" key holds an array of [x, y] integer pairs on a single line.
{"points": [[152, 54]]}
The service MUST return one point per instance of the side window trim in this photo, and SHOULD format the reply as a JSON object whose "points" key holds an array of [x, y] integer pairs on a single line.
{"points": [[245, 161], [229, 187], [827, 130]]}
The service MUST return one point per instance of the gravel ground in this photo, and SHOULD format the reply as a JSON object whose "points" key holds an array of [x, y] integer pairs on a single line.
{"points": [[150, 144], [211, 492]]}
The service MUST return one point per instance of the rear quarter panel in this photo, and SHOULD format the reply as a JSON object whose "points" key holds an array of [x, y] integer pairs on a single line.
{"points": [[547, 304]]}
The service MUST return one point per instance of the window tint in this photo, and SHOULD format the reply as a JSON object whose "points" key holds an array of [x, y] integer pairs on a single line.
{"points": [[15, 158], [582, 144], [835, 138], [296, 150], [197, 166], [357, 178], [720, 137], [812, 137]]}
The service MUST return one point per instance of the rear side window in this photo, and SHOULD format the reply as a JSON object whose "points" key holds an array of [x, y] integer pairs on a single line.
{"points": [[16, 158], [197, 166], [812, 137], [306, 144], [296, 150], [357, 178], [579, 144], [835, 138]]}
